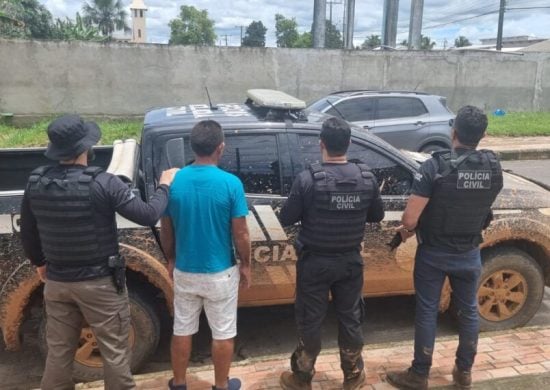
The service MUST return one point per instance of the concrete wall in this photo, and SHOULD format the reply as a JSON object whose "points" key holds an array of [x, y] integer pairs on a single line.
{"points": [[40, 78]]}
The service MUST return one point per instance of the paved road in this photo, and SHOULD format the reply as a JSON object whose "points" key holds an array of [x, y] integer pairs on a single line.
{"points": [[271, 330], [538, 170]]}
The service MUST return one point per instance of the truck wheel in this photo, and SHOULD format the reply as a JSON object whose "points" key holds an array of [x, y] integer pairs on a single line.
{"points": [[511, 289], [143, 340]]}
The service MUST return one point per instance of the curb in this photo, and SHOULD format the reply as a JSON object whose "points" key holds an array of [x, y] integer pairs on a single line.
{"points": [[525, 154]]}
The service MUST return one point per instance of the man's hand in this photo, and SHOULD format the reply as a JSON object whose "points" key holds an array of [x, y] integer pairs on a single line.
{"points": [[405, 234], [244, 270], [41, 271], [167, 176]]}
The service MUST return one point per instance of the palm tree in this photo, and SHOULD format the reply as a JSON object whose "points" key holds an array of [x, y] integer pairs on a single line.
{"points": [[107, 15]]}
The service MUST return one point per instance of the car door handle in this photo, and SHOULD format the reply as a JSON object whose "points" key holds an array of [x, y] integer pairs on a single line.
{"points": [[366, 127], [420, 123]]}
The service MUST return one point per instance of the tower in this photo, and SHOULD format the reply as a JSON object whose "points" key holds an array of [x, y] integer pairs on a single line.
{"points": [[138, 11]]}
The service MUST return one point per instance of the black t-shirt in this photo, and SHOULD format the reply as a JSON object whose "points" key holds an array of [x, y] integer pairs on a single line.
{"points": [[423, 185], [109, 195]]}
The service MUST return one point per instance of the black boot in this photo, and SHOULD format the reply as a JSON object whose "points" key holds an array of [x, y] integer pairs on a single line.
{"points": [[462, 379], [407, 380], [353, 367]]}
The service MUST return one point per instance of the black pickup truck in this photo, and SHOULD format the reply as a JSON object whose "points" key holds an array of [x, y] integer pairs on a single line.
{"points": [[269, 140]]}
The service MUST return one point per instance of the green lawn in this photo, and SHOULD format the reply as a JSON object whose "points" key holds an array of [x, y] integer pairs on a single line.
{"points": [[515, 124], [520, 124], [35, 135]]}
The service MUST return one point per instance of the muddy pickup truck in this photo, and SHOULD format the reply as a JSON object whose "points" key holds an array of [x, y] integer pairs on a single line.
{"points": [[268, 142]]}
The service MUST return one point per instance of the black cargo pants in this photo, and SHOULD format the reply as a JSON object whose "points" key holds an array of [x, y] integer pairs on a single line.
{"points": [[317, 275]]}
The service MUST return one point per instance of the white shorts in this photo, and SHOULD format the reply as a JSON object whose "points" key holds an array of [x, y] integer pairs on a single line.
{"points": [[218, 293]]}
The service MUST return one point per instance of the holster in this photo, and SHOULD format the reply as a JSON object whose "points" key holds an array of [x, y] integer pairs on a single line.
{"points": [[117, 264]]}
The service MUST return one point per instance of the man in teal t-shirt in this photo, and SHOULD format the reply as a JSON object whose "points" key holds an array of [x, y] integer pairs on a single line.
{"points": [[206, 214]]}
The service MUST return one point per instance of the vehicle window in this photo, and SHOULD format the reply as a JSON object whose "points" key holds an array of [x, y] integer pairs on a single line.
{"points": [[255, 160], [399, 107], [392, 178], [354, 110], [323, 103]]}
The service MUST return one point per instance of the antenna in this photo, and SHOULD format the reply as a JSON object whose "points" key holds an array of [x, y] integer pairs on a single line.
{"points": [[335, 109], [212, 107]]}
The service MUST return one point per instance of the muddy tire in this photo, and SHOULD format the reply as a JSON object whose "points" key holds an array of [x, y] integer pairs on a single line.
{"points": [[144, 338], [511, 289]]}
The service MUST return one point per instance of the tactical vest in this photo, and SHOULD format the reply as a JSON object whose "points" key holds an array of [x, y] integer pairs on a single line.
{"points": [[335, 222], [69, 233], [464, 190]]}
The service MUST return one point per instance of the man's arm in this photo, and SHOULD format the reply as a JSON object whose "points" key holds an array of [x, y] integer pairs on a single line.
{"points": [[241, 238], [293, 209], [168, 243], [31, 239], [132, 207], [375, 213]]}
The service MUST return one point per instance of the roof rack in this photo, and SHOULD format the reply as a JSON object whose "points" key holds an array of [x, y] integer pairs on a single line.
{"points": [[358, 92], [272, 105]]}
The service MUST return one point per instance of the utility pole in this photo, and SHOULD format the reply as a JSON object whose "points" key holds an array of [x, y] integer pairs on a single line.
{"points": [[319, 23], [241, 33], [345, 23], [500, 24], [331, 3], [225, 37], [350, 25], [415, 27], [389, 26]]}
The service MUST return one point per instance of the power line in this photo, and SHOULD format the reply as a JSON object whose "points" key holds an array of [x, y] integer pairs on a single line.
{"points": [[461, 20]]}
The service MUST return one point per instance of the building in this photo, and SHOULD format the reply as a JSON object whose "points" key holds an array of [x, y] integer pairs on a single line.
{"points": [[138, 11], [513, 42]]}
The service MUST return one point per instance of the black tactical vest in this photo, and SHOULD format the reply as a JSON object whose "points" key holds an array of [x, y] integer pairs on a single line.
{"points": [[69, 233], [464, 190], [335, 222]]}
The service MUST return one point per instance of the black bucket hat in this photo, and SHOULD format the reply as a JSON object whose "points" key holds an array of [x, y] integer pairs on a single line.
{"points": [[70, 136]]}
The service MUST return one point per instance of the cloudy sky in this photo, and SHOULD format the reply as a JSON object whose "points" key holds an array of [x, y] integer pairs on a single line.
{"points": [[444, 20]]}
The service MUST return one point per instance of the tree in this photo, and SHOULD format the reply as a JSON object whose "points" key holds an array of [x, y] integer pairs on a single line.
{"points": [[107, 15], [462, 41], [371, 42], [286, 31], [69, 30], [25, 19], [305, 40], [426, 43], [255, 35], [333, 37], [193, 27]]}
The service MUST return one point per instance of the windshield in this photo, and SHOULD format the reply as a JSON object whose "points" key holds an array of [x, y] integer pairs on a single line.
{"points": [[323, 103]]}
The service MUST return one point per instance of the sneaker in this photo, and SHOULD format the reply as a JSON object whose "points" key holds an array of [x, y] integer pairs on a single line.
{"points": [[462, 379], [172, 386], [289, 381], [407, 380], [355, 383], [232, 384]]}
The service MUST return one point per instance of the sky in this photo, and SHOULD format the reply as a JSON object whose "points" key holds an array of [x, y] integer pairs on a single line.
{"points": [[444, 20]]}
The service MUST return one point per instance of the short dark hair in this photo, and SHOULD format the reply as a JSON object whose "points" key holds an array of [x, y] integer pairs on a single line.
{"points": [[470, 125], [206, 136], [336, 135]]}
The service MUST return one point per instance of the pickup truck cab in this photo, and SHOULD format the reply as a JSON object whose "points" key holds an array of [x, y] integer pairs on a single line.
{"points": [[269, 140]]}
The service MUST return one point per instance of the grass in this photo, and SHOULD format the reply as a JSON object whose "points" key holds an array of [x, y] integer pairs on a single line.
{"points": [[35, 135], [520, 124], [514, 124]]}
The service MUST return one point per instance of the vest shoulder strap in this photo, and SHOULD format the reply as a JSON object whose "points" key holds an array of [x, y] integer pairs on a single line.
{"points": [[317, 171], [37, 173], [365, 170], [89, 174]]}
